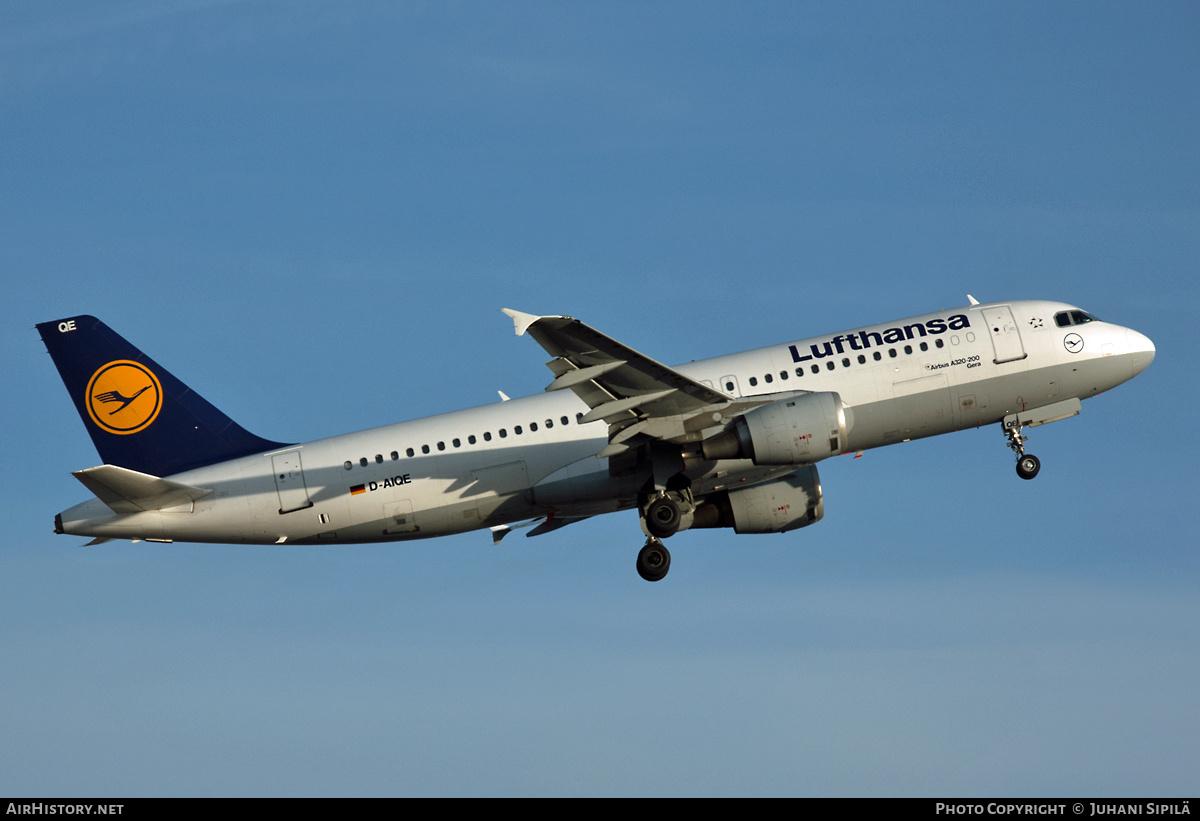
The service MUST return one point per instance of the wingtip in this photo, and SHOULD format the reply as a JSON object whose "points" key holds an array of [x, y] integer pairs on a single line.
{"points": [[521, 320]]}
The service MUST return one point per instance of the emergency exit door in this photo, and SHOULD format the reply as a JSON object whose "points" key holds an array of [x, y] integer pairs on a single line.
{"points": [[289, 481]]}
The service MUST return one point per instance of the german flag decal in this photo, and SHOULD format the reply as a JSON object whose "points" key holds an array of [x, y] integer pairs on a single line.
{"points": [[357, 489]]}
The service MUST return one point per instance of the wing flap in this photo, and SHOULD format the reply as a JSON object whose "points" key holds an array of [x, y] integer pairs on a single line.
{"points": [[570, 378]]}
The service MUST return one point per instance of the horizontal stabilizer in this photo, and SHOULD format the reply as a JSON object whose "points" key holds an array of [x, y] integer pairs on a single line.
{"points": [[127, 491]]}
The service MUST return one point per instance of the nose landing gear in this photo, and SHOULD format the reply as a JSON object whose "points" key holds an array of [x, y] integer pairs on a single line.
{"points": [[1028, 465]]}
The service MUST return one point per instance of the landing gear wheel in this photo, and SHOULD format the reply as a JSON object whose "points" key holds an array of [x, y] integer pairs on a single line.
{"points": [[663, 517], [653, 561], [1028, 466]]}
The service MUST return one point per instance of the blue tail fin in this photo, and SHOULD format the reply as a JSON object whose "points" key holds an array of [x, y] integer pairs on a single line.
{"points": [[138, 415]]}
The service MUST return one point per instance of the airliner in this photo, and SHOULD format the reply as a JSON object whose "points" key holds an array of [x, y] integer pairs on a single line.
{"points": [[729, 442]]}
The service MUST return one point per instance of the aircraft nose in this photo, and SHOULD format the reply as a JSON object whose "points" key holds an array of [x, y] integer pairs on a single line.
{"points": [[1141, 348]]}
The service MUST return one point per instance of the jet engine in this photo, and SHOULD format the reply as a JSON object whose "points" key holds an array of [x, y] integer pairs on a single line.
{"points": [[797, 431], [773, 507]]}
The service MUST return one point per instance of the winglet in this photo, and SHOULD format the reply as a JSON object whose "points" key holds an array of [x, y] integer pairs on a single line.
{"points": [[521, 321], [972, 300]]}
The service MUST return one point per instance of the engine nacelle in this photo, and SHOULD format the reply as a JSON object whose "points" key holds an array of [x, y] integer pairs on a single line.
{"points": [[772, 507], [796, 431]]}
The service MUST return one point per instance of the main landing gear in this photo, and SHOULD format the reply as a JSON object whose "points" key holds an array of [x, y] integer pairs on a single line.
{"points": [[664, 514], [1028, 465], [653, 560], [663, 517]]}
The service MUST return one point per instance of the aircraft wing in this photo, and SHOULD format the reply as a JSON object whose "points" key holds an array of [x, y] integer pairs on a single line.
{"points": [[637, 396], [611, 378], [540, 525]]}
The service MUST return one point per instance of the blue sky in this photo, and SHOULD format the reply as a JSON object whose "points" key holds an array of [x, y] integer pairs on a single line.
{"points": [[312, 213]]}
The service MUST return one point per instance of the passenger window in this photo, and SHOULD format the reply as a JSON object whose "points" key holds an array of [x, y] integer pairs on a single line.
{"points": [[816, 368], [363, 461], [753, 381], [799, 371], [456, 443], [424, 448], [347, 465], [549, 423], [892, 353], [517, 430], [729, 387], [471, 439], [845, 362], [940, 343], [862, 360], [441, 445], [924, 346], [379, 458], [565, 421], [877, 356], [532, 427], [783, 374], [411, 452], [908, 348], [503, 433], [830, 365], [487, 436], [395, 456], [769, 379]]}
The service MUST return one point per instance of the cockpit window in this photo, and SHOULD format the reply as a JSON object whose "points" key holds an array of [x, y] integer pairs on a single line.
{"points": [[1064, 319]]}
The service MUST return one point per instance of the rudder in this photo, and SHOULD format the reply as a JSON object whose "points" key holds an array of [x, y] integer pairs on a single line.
{"points": [[138, 414]]}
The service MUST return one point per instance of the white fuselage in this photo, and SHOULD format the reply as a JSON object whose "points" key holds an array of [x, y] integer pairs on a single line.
{"points": [[531, 457]]}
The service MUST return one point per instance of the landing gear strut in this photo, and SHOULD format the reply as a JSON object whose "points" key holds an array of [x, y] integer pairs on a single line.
{"points": [[653, 560], [1028, 465]]}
